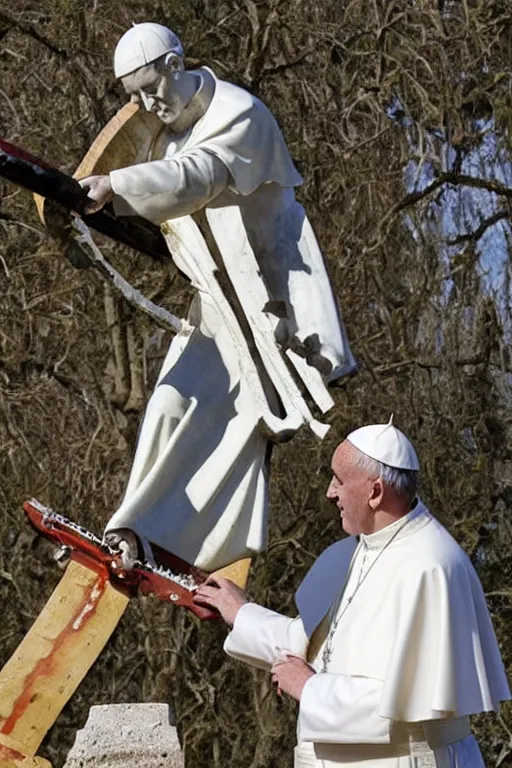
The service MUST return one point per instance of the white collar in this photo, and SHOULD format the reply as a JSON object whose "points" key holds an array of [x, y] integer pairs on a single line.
{"points": [[417, 516]]}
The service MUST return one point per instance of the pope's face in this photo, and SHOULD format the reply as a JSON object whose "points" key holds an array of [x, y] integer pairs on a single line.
{"points": [[351, 488], [155, 86]]}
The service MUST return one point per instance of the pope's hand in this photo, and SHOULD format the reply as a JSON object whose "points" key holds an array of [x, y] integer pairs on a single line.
{"points": [[223, 595], [291, 675], [99, 189]]}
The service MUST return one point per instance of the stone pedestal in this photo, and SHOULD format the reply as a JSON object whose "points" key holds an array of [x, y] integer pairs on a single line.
{"points": [[127, 736]]}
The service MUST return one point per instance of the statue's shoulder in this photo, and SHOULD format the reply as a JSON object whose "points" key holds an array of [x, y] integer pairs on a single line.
{"points": [[227, 93]]}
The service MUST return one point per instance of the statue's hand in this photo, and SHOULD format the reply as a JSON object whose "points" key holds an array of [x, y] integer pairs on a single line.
{"points": [[98, 189], [223, 595]]}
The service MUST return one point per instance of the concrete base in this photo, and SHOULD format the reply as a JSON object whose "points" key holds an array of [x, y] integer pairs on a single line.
{"points": [[127, 736]]}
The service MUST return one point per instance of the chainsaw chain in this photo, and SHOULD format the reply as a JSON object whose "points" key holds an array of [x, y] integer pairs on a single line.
{"points": [[50, 517]]}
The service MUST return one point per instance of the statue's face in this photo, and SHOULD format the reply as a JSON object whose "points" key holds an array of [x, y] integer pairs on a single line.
{"points": [[158, 89]]}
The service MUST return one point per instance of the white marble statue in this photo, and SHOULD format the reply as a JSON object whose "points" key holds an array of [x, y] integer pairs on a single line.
{"points": [[393, 647], [199, 482]]}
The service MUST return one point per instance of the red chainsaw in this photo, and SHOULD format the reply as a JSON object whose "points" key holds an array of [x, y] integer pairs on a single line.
{"points": [[172, 580]]}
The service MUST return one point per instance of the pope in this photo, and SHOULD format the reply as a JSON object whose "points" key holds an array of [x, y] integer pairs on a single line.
{"points": [[393, 647]]}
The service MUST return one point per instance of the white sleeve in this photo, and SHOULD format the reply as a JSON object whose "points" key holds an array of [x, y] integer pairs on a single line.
{"points": [[341, 709], [260, 636], [167, 189]]}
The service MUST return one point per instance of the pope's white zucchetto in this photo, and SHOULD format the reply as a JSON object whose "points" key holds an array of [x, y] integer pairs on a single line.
{"points": [[385, 443]]}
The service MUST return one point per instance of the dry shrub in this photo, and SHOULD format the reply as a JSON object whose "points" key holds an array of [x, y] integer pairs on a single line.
{"points": [[398, 116]]}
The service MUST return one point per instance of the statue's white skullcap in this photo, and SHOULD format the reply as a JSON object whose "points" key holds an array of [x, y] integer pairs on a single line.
{"points": [[385, 443], [141, 45]]}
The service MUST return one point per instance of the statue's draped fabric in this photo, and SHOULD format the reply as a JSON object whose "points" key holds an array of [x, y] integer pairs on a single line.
{"points": [[413, 653], [198, 485]]}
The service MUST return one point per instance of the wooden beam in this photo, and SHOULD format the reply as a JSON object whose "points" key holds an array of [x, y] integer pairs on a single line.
{"points": [[55, 656]]}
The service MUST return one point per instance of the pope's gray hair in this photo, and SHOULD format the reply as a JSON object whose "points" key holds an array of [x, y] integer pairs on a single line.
{"points": [[403, 481]]}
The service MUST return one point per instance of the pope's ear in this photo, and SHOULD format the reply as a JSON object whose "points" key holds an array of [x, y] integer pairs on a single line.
{"points": [[376, 493]]}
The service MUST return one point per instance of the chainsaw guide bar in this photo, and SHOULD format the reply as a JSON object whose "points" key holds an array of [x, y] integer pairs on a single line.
{"points": [[173, 580]]}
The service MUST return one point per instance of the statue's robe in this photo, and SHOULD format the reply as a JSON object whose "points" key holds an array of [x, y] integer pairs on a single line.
{"points": [[199, 481], [414, 652]]}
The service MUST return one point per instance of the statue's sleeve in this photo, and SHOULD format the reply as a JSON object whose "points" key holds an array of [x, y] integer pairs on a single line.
{"points": [[261, 637], [170, 188]]}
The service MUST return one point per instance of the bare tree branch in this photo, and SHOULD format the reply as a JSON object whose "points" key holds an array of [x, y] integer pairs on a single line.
{"points": [[29, 29], [456, 179], [481, 230], [117, 281], [13, 220]]}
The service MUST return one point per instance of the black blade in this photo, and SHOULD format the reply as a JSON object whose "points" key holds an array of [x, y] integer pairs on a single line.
{"points": [[26, 171]]}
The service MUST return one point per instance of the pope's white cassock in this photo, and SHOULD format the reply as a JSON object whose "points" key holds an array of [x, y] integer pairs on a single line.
{"points": [[198, 485], [397, 628]]}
